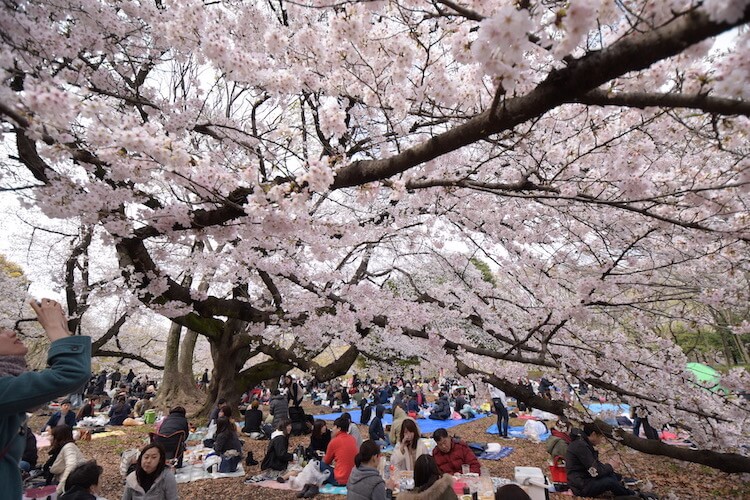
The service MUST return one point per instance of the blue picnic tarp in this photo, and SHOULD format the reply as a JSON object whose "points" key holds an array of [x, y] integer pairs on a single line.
{"points": [[426, 425], [517, 432]]}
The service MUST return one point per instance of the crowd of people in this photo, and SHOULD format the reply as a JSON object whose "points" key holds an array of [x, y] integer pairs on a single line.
{"points": [[344, 457]]}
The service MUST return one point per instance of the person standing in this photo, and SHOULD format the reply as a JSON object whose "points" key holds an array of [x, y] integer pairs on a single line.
{"points": [[500, 403], [69, 360], [130, 377], [204, 379], [293, 390], [114, 379]]}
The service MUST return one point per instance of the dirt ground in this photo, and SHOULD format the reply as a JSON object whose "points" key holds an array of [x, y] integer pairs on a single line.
{"points": [[670, 478]]}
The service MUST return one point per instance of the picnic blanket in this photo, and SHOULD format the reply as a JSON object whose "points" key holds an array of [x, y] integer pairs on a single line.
{"points": [[193, 469], [195, 472], [620, 409], [426, 425], [517, 432], [497, 455], [100, 435], [328, 489]]}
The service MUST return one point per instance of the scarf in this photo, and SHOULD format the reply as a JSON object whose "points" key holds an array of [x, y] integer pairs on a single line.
{"points": [[12, 366]]}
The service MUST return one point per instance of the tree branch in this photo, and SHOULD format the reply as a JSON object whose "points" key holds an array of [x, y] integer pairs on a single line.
{"points": [[703, 102]]}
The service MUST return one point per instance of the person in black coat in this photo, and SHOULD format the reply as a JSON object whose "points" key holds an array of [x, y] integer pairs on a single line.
{"points": [[176, 421], [441, 410], [119, 411], [587, 476], [253, 421], [366, 414], [319, 440], [376, 431], [88, 409], [83, 482], [30, 453], [277, 455]]}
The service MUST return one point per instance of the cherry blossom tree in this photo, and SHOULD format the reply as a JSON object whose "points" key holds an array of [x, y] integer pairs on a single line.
{"points": [[593, 153]]}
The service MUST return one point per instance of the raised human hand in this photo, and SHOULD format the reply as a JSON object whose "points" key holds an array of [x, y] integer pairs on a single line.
{"points": [[50, 315]]}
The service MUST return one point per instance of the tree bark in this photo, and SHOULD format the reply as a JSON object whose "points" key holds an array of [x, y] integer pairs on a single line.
{"points": [[187, 350], [175, 387]]}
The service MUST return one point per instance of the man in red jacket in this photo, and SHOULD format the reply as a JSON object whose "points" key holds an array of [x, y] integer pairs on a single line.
{"points": [[450, 455], [342, 449]]}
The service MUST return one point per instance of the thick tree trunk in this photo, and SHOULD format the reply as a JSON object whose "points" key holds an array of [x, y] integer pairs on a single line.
{"points": [[187, 351], [228, 359], [175, 388]]}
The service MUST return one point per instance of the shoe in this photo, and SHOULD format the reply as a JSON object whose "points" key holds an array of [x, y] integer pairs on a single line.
{"points": [[302, 493], [312, 491], [280, 479]]}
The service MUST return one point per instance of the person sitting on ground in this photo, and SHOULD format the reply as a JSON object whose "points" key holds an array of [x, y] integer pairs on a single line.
{"points": [[119, 411], [83, 482], [320, 438], [409, 447], [429, 482], [173, 448], [399, 415], [412, 407], [511, 492], [30, 453], [143, 405], [557, 444], [450, 455], [253, 421], [277, 458], [587, 476], [365, 482], [339, 459], [441, 410], [88, 409], [68, 455], [376, 431], [151, 479], [64, 416], [459, 400], [353, 429], [216, 409], [227, 445]]}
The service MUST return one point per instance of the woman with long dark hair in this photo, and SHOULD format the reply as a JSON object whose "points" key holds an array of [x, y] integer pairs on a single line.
{"points": [[66, 453], [277, 457], [429, 482], [319, 439], [151, 479], [409, 447], [365, 482], [227, 445]]}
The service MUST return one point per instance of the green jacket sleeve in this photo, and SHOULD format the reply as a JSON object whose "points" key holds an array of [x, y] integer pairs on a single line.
{"points": [[69, 362]]}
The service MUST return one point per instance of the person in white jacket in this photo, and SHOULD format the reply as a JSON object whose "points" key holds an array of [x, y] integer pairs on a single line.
{"points": [[409, 447], [69, 456]]}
